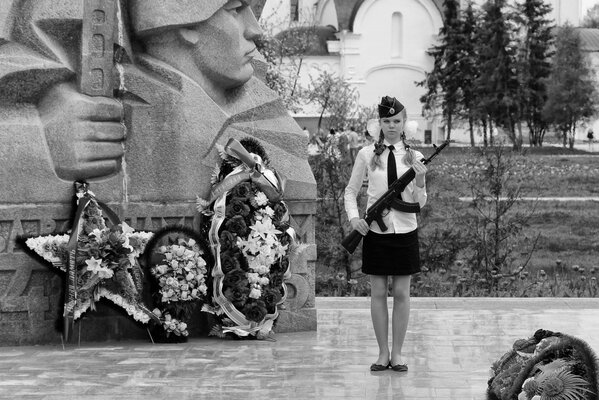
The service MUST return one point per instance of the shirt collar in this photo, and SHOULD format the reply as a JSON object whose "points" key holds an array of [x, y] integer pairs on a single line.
{"points": [[399, 147]]}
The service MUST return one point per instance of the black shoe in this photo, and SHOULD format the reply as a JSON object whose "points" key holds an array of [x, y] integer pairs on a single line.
{"points": [[379, 367], [399, 367]]}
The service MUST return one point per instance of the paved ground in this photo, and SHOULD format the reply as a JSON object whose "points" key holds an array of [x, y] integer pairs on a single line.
{"points": [[449, 348]]}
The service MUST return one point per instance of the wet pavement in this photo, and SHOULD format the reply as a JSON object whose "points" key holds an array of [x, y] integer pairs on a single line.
{"points": [[450, 346]]}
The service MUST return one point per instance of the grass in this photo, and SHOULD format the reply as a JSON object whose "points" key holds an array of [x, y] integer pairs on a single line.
{"points": [[565, 260], [569, 230]]}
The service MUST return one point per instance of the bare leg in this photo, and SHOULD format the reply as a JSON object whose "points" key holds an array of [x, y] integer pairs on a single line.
{"points": [[380, 315], [401, 314]]}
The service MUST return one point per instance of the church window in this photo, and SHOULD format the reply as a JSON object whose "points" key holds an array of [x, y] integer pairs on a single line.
{"points": [[396, 34]]}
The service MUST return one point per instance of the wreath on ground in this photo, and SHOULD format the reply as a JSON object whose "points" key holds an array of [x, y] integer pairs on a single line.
{"points": [[547, 366]]}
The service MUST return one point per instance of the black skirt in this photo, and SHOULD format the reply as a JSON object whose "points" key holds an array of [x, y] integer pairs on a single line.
{"points": [[391, 254]]}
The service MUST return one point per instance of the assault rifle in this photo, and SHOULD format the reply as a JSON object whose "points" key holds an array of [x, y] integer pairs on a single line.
{"points": [[390, 199]]}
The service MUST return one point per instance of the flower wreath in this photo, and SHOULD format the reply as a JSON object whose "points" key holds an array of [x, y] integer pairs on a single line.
{"points": [[549, 365], [177, 260], [251, 241], [100, 260]]}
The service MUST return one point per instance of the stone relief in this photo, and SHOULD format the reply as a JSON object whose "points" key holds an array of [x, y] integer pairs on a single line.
{"points": [[133, 96]]}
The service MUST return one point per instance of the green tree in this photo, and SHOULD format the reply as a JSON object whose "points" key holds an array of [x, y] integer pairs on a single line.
{"points": [[444, 83], [534, 64], [572, 96], [284, 53], [497, 83], [335, 97], [469, 70], [591, 19]]}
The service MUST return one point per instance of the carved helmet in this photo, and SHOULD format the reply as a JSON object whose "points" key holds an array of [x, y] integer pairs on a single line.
{"points": [[151, 16]]}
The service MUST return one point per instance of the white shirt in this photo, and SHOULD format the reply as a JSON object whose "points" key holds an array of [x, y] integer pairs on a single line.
{"points": [[396, 221]]}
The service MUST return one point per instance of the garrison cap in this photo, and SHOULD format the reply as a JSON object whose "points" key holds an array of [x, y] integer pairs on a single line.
{"points": [[389, 107]]}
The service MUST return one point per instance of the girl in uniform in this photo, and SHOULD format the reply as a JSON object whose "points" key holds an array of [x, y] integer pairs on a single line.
{"points": [[393, 252]]}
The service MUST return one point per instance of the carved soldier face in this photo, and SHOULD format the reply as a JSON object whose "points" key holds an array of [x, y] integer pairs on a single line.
{"points": [[225, 46]]}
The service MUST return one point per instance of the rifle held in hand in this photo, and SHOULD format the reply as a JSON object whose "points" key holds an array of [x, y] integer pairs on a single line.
{"points": [[390, 199]]}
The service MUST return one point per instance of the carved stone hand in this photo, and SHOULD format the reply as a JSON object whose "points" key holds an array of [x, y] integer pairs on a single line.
{"points": [[84, 134]]}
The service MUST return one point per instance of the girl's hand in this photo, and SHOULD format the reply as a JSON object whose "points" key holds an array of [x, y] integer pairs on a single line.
{"points": [[359, 225], [420, 170]]}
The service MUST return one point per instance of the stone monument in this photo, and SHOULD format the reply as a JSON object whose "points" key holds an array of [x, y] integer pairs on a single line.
{"points": [[132, 96]]}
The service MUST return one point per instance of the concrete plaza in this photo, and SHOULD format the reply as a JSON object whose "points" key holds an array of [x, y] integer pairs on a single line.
{"points": [[450, 346]]}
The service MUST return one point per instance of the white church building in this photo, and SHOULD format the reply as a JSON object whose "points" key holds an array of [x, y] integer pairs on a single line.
{"points": [[379, 47]]}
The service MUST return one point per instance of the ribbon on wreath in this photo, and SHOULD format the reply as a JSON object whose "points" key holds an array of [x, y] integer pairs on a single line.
{"points": [[251, 168], [84, 197]]}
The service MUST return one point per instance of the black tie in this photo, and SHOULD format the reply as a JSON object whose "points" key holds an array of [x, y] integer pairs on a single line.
{"points": [[391, 167]]}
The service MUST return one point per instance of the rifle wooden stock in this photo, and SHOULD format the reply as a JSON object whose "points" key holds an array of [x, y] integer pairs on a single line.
{"points": [[387, 200], [351, 241]]}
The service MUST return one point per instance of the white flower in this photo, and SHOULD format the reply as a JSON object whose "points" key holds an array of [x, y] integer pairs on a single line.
{"points": [[262, 269], [96, 233], [126, 243], [170, 281], [264, 281], [522, 396], [264, 227], [268, 211], [127, 230], [253, 277], [161, 269], [95, 267], [93, 263], [255, 293], [188, 254], [261, 199]]}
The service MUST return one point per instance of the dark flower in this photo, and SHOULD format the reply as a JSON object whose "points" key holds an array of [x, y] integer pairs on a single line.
{"points": [[237, 295], [280, 210], [243, 261], [281, 265], [237, 206], [254, 146], [271, 297], [228, 262], [135, 241], [255, 311], [284, 238], [227, 240], [237, 225], [236, 278], [276, 280], [243, 191]]}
